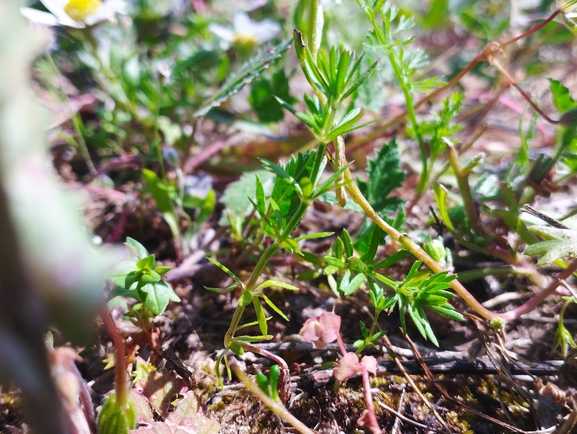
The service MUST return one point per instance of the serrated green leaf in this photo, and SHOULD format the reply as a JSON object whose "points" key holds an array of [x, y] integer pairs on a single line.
{"points": [[247, 72], [359, 81], [236, 196], [559, 243], [260, 197], [262, 96], [384, 175], [562, 98], [287, 193]]}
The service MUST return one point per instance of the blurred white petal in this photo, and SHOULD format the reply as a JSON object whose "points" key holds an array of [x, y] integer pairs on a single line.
{"points": [[222, 32], [105, 11], [242, 23], [55, 6], [57, 9], [265, 31], [38, 17]]}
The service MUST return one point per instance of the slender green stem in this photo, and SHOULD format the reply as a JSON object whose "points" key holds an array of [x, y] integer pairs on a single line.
{"points": [[104, 69], [489, 271], [374, 324], [272, 249], [411, 246], [261, 264], [156, 142], [76, 120], [464, 188], [234, 323], [315, 31], [340, 161]]}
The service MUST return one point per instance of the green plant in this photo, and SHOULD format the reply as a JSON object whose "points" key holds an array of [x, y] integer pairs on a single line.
{"points": [[296, 186], [140, 279], [269, 384]]}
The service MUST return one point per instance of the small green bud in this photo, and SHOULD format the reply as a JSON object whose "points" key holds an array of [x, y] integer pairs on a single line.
{"points": [[236, 348], [497, 323], [245, 299], [262, 382], [563, 339], [435, 248], [162, 269], [114, 419], [306, 186], [146, 263]]}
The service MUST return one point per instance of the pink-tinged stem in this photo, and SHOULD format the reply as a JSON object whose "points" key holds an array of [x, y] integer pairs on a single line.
{"points": [[533, 29], [542, 295], [523, 93], [121, 387], [341, 344], [373, 424]]}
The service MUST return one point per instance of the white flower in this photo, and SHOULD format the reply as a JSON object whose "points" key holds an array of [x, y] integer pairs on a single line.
{"points": [[246, 34], [75, 13], [569, 11]]}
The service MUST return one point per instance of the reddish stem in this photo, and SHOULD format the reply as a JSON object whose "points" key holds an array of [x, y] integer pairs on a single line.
{"points": [[121, 387], [341, 344], [120, 226], [533, 29], [540, 296], [373, 424]]}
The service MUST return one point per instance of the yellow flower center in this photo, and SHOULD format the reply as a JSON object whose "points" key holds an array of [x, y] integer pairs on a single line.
{"points": [[244, 43], [78, 10]]}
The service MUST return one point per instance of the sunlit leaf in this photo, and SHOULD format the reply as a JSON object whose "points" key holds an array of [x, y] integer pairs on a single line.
{"points": [[247, 72]]}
